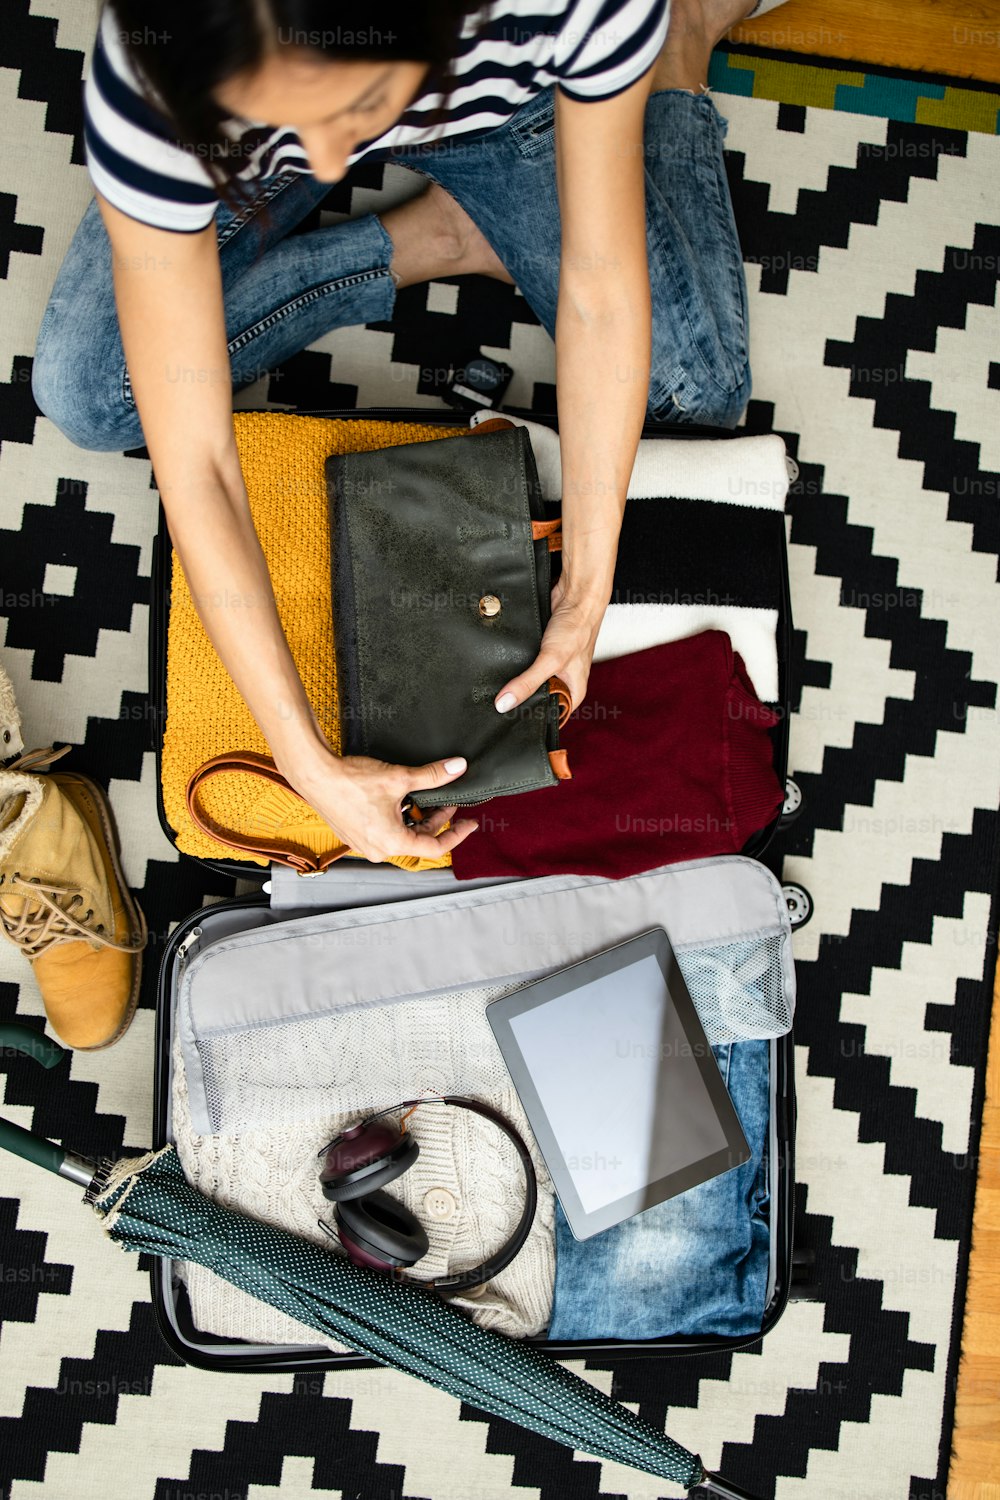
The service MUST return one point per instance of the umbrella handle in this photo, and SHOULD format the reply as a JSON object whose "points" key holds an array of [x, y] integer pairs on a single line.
{"points": [[33, 1148], [716, 1484], [35, 1043], [24, 1143]]}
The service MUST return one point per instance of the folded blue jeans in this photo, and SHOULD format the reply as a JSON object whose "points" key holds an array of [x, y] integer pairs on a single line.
{"points": [[696, 1264], [283, 291]]}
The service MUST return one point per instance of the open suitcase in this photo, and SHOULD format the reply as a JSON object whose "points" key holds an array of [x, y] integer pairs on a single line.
{"points": [[353, 886]]}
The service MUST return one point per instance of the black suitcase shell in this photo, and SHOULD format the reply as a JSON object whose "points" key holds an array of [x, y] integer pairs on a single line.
{"points": [[170, 1304]]}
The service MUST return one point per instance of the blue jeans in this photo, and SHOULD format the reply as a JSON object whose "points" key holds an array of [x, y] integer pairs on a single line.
{"points": [[282, 291], [696, 1264]]}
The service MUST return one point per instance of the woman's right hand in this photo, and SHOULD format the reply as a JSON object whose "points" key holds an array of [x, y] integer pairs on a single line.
{"points": [[362, 799]]}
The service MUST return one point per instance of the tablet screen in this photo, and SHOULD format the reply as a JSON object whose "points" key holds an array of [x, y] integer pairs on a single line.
{"points": [[619, 1083], [617, 1044]]}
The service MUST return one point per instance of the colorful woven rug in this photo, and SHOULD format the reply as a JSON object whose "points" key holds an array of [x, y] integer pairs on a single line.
{"points": [[827, 83], [871, 227]]}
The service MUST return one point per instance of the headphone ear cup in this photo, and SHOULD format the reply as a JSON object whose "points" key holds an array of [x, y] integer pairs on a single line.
{"points": [[382, 1229], [346, 1178]]}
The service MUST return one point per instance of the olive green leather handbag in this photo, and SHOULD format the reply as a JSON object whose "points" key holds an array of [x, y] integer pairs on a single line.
{"points": [[441, 592]]}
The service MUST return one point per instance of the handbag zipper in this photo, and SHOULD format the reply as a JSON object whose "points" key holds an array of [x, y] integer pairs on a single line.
{"points": [[460, 806]]}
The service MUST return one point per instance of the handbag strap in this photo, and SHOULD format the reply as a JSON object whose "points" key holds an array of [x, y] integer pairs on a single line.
{"points": [[250, 763], [562, 695], [550, 530]]}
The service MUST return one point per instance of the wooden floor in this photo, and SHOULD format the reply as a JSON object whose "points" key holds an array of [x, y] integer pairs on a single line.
{"points": [[960, 38]]}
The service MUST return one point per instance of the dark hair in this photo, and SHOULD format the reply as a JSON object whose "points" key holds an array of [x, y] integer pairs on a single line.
{"points": [[183, 50]]}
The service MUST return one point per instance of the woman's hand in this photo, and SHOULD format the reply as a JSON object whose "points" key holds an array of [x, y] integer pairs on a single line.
{"points": [[567, 648], [362, 799]]}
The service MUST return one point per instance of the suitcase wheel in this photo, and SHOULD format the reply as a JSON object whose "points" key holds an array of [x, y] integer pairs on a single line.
{"points": [[792, 805], [799, 903], [803, 1287]]}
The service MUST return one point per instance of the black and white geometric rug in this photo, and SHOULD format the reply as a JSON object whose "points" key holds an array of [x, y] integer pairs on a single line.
{"points": [[872, 247]]}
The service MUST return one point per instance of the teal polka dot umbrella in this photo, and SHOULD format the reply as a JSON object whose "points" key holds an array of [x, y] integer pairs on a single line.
{"points": [[146, 1204]]}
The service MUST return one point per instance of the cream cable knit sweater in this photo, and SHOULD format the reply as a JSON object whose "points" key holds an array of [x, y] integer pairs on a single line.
{"points": [[383, 1054]]}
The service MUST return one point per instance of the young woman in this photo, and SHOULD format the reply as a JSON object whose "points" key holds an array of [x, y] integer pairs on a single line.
{"points": [[571, 148]]}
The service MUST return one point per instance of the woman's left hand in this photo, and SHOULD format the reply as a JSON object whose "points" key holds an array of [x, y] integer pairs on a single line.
{"points": [[567, 650]]}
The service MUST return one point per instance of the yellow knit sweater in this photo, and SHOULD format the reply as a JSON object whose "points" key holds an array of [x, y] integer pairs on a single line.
{"points": [[282, 459]]}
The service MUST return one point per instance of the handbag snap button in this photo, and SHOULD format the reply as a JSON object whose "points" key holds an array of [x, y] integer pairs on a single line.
{"points": [[439, 1203], [489, 605]]}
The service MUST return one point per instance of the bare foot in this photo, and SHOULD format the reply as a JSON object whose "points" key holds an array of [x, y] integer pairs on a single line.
{"points": [[696, 27], [433, 236]]}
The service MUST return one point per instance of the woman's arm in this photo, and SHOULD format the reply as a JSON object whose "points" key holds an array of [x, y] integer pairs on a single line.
{"points": [[168, 291], [603, 349]]}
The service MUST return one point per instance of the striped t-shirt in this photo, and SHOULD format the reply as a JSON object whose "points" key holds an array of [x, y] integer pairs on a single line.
{"points": [[593, 49]]}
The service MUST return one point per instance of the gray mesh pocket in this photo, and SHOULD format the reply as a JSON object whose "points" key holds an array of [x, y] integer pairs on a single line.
{"points": [[739, 989]]}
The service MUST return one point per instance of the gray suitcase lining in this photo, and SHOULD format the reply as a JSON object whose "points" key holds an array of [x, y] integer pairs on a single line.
{"points": [[746, 902]]}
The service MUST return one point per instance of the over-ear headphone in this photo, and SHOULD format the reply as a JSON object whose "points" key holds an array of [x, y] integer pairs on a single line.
{"points": [[376, 1229]]}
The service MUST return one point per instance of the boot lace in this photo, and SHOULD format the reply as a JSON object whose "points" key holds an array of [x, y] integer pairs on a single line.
{"points": [[49, 912], [32, 759]]}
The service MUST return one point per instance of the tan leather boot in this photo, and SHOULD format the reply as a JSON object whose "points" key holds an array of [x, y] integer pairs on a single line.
{"points": [[64, 901]]}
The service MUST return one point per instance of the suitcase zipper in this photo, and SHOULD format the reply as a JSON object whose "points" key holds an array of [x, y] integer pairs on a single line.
{"points": [[185, 947]]}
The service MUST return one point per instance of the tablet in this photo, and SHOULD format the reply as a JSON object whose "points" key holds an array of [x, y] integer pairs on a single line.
{"points": [[619, 1083]]}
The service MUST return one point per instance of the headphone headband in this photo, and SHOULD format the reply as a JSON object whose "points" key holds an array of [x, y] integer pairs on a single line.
{"points": [[502, 1257]]}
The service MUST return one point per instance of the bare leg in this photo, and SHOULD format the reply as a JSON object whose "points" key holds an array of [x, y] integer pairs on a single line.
{"points": [[696, 26], [433, 236]]}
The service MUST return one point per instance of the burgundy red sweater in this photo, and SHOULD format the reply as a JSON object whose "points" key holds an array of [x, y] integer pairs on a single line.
{"points": [[671, 760]]}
